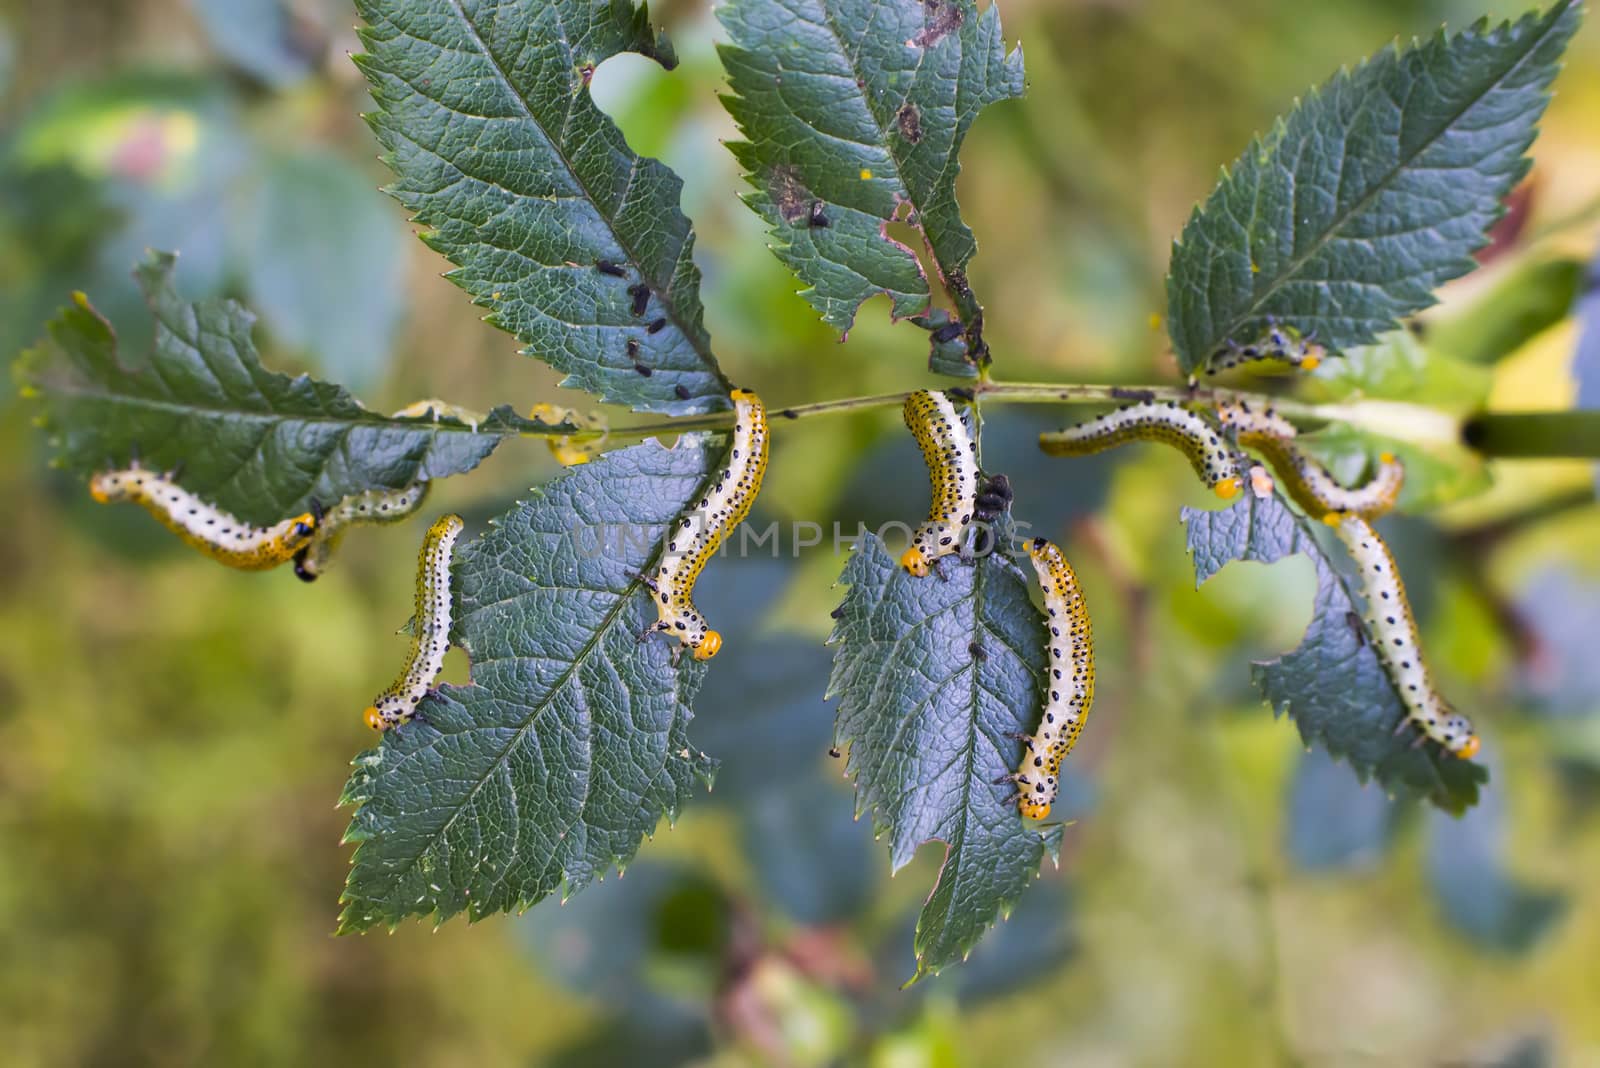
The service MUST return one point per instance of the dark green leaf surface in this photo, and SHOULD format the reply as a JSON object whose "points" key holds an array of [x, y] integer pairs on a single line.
{"points": [[1332, 684], [571, 742], [1533, 298], [525, 185], [1376, 189], [252, 441], [857, 109], [926, 721]]}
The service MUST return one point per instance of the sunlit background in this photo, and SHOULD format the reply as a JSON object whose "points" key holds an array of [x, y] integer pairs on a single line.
{"points": [[173, 736]]}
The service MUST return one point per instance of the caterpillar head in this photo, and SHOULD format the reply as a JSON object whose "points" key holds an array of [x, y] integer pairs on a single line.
{"points": [[708, 646], [1228, 488], [1035, 794], [373, 718], [915, 561], [298, 530], [1457, 736], [108, 486]]}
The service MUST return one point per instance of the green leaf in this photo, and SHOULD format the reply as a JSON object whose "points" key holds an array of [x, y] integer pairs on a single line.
{"points": [[1533, 298], [255, 442], [1332, 684], [927, 722], [1374, 191], [571, 741], [525, 185], [857, 109]]}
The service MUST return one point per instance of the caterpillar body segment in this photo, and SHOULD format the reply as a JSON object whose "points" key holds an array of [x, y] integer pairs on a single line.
{"points": [[1310, 484], [702, 530], [1324, 497], [1277, 342], [430, 632], [1397, 642], [951, 455], [373, 506], [219, 535], [1186, 431], [1069, 681]]}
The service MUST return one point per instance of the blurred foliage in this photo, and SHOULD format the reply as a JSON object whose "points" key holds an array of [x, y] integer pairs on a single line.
{"points": [[171, 735]]}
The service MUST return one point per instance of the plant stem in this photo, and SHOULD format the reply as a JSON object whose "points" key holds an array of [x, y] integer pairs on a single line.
{"points": [[1407, 422], [1572, 435]]}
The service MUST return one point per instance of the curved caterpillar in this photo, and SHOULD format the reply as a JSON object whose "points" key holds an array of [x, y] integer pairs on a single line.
{"points": [[1311, 485], [1184, 430], [951, 455], [221, 536], [701, 531], [373, 506], [430, 634], [1278, 341], [1395, 640], [1070, 683]]}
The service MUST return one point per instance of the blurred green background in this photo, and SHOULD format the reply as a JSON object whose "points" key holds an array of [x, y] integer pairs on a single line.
{"points": [[173, 736]]}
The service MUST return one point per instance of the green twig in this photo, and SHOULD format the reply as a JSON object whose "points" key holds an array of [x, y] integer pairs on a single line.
{"points": [[1529, 435]]}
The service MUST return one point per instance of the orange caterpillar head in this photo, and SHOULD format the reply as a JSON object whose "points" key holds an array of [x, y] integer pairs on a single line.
{"points": [[709, 646], [1031, 809], [109, 486], [1228, 488], [1469, 748], [298, 531], [914, 561], [373, 718]]}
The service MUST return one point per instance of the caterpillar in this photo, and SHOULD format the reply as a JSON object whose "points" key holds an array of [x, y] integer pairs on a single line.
{"points": [[373, 506], [1395, 640], [951, 455], [1069, 685], [214, 532], [1310, 484], [701, 531], [435, 409], [1278, 341], [430, 632], [1186, 431]]}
